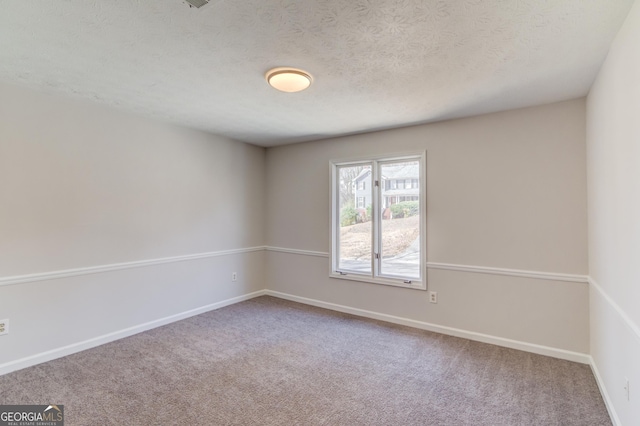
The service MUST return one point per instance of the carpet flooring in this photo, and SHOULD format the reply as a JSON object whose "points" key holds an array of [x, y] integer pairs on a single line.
{"points": [[268, 361]]}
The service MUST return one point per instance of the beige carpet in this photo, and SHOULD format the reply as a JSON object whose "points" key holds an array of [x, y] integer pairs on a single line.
{"points": [[272, 362]]}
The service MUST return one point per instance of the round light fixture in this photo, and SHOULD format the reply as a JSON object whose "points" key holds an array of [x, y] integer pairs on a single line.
{"points": [[288, 79]]}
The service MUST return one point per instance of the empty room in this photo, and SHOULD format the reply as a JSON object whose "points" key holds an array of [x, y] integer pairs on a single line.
{"points": [[411, 212]]}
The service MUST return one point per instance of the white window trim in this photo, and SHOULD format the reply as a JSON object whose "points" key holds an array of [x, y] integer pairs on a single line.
{"points": [[419, 284]]}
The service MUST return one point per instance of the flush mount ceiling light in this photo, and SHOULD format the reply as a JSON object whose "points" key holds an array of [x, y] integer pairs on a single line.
{"points": [[197, 3], [288, 79]]}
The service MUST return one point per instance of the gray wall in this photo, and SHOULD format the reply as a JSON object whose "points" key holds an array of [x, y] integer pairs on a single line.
{"points": [[88, 190], [613, 141], [82, 186], [505, 190]]}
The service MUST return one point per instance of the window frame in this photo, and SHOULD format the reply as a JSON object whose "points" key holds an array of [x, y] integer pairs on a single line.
{"points": [[377, 198]]}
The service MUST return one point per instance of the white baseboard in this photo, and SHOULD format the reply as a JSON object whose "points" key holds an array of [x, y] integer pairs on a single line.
{"points": [[499, 341], [110, 337], [605, 395], [471, 335]]}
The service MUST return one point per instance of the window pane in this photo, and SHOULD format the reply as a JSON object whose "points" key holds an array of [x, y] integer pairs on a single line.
{"points": [[400, 227], [354, 236]]}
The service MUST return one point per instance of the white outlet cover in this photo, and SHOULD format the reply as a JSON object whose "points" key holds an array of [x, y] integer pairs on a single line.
{"points": [[4, 322], [626, 387]]}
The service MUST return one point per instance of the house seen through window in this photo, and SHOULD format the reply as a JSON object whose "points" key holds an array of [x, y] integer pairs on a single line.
{"points": [[378, 217]]}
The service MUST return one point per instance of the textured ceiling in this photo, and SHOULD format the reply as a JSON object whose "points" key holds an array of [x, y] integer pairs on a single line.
{"points": [[376, 64]]}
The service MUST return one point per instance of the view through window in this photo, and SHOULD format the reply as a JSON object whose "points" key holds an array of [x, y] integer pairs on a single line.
{"points": [[378, 221]]}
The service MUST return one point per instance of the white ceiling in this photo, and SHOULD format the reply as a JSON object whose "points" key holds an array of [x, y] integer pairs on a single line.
{"points": [[376, 64]]}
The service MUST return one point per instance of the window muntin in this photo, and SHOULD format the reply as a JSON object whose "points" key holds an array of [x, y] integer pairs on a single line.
{"points": [[379, 233]]}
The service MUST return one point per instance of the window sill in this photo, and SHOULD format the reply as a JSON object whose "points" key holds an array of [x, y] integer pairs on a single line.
{"points": [[415, 284]]}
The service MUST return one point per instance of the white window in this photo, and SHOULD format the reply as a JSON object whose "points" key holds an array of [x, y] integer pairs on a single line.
{"points": [[361, 186], [360, 202], [390, 248]]}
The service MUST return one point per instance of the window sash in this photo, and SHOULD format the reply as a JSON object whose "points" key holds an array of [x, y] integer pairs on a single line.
{"points": [[377, 273]]}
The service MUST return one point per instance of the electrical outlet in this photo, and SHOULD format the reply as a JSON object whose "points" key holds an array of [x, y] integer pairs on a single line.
{"points": [[234, 276], [4, 327], [626, 387], [433, 296]]}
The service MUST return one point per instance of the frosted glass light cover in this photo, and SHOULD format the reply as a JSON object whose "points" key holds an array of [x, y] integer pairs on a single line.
{"points": [[288, 79]]}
